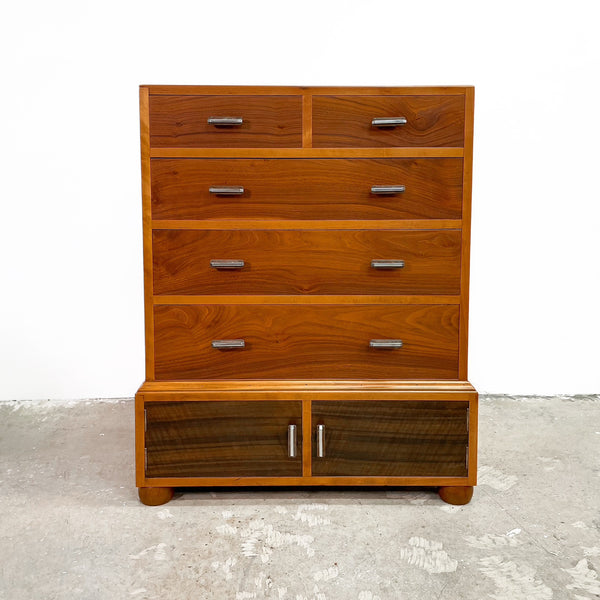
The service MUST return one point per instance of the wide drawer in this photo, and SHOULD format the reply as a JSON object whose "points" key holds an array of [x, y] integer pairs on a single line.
{"points": [[387, 438], [294, 341], [307, 188], [266, 121], [221, 439], [347, 121], [306, 262]]}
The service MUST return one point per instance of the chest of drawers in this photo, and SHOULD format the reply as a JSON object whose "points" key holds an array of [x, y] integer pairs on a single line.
{"points": [[306, 264]]}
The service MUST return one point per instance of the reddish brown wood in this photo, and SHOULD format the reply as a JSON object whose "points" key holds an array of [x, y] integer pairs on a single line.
{"points": [[457, 495], [154, 496], [268, 121], [306, 262], [391, 438], [306, 342], [307, 188], [345, 121], [220, 439]]}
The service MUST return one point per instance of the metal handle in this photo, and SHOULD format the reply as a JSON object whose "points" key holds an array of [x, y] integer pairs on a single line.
{"points": [[292, 441], [387, 264], [228, 344], [225, 121], [388, 121], [227, 190], [219, 263], [320, 441], [387, 189], [386, 344]]}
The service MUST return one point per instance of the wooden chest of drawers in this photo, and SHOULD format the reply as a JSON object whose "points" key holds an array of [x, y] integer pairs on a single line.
{"points": [[306, 262]]}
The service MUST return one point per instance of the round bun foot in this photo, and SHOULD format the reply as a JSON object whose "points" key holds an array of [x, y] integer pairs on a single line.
{"points": [[154, 496], [457, 495]]}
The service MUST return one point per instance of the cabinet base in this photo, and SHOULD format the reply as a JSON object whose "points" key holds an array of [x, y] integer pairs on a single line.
{"points": [[154, 496], [457, 495]]}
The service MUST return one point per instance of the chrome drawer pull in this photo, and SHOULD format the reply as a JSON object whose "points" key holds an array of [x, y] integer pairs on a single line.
{"points": [[386, 344], [292, 441], [228, 344], [388, 121], [320, 441], [225, 121], [387, 189], [227, 190], [218, 263], [387, 264]]}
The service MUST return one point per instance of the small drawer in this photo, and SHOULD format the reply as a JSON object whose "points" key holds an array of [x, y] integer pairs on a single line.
{"points": [[422, 188], [399, 121], [294, 341], [306, 262], [223, 439], [390, 438], [225, 121]]}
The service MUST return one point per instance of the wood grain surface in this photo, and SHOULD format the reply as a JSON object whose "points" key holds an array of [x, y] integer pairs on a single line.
{"points": [[391, 438], [220, 439], [306, 341], [307, 188], [268, 121], [345, 121], [306, 262]]}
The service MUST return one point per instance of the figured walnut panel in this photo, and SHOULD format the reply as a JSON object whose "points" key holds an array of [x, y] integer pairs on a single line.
{"points": [[268, 121], [335, 188], [221, 439], [386, 438], [306, 262], [306, 341], [345, 121]]}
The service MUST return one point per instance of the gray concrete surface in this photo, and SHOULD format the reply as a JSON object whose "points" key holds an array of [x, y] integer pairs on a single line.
{"points": [[71, 525]]}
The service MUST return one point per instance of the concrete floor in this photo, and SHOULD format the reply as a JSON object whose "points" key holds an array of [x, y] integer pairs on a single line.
{"points": [[71, 525]]}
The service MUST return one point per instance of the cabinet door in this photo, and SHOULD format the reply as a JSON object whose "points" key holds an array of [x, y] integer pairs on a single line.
{"points": [[222, 439], [390, 438]]}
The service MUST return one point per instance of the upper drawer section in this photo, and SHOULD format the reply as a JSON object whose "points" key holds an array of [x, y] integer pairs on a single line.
{"points": [[348, 121], [266, 121]]}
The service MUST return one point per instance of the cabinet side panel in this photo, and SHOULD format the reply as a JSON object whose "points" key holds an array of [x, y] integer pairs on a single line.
{"points": [[466, 235], [147, 230]]}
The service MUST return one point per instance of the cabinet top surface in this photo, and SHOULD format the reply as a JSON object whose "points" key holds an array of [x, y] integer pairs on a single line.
{"points": [[292, 90]]}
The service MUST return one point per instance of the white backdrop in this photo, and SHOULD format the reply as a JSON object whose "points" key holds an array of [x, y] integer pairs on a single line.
{"points": [[71, 307]]}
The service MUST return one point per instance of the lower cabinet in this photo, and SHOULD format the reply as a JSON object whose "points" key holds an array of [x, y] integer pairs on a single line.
{"points": [[264, 439], [388, 438], [222, 439]]}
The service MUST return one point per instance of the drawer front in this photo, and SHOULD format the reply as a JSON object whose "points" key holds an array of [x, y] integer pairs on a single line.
{"points": [[222, 439], [267, 121], [306, 262], [387, 438], [294, 341], [307, 188], [347, 121]]}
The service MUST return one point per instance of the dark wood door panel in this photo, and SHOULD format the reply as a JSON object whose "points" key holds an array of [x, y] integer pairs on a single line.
{"points": [[391, 438], [333, 188], [345, 121], [306, 262], [222, 439], [268, 121], [294, 341]]}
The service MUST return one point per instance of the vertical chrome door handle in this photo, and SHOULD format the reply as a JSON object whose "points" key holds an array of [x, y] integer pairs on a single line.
{"points": [[320, 441], [292, 441]]}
